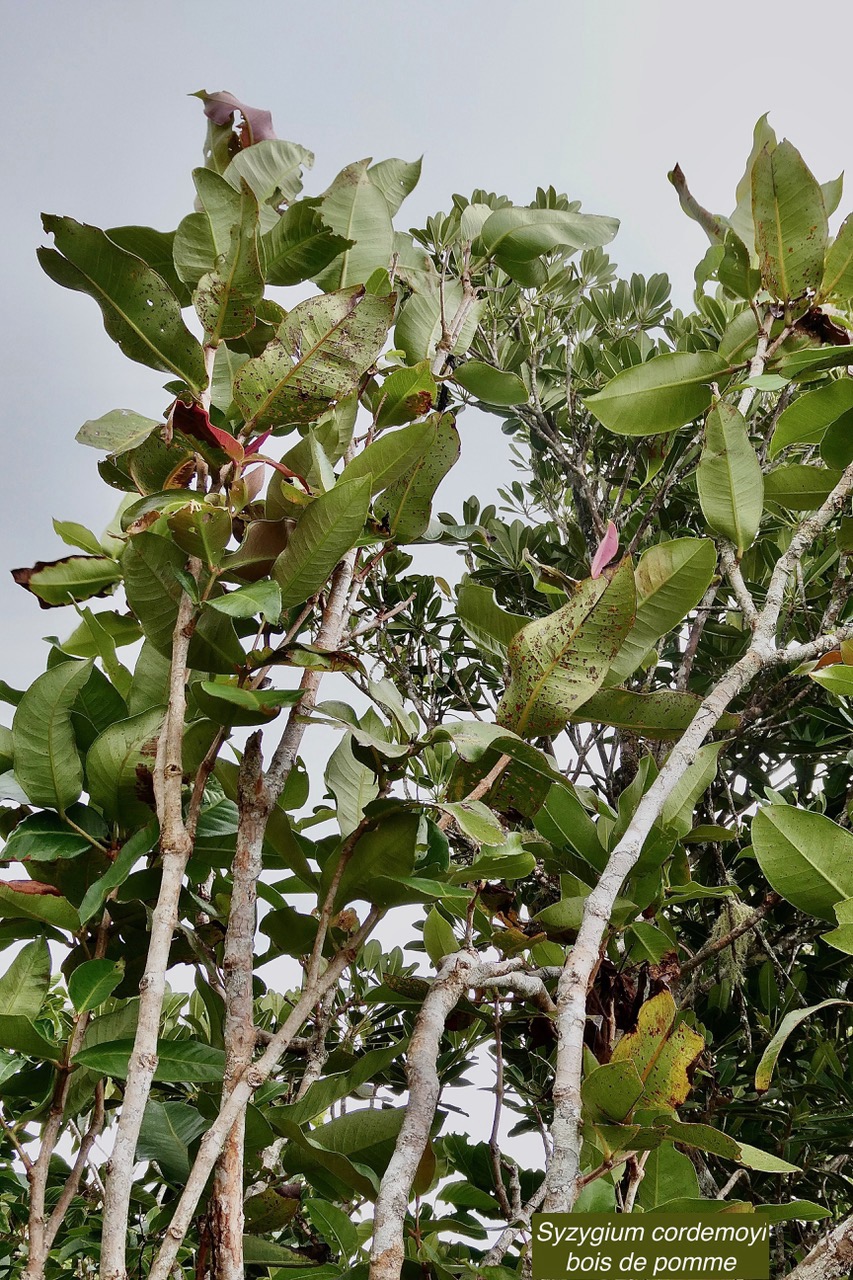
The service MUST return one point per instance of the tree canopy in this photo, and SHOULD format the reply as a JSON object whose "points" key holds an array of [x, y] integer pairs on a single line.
{"points": [[584, 826]]}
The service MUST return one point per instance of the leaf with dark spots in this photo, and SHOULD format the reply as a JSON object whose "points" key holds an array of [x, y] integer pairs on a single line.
{"points": [[557, 663], [59, 582], [221, 107]]}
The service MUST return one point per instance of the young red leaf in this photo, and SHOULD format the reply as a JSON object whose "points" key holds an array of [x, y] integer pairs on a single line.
{"points": [[606, 552]]}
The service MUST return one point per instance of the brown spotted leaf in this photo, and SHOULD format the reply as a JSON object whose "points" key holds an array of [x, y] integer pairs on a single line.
{"points": [[663, 1050], [557, 663]]}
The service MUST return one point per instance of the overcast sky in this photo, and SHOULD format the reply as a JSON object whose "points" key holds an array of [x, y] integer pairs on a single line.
{"points": [[599, 98]]}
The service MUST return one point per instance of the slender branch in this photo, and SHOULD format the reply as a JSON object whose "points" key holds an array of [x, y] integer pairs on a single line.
{"points": [[682, 679], [496, 1254], [719, 944], [494, 1136]]}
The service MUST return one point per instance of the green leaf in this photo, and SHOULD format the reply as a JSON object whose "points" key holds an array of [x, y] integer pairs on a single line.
{"points": [[299, 245], [506, 861], [141, 842], [406, 505], [166, 1132], [24, 985], [47, 908], [419, 324], [86, 643], [806, 420], [272, 168], [671, 579], [226, 297], [405, 394], [178, 1061], [729, 479], [22, 1035], [94, 980], [669, 1175], [320, 351], [490, 384], [805, 857], [392, 456], [677, 812], [45, 837], [611, 1092], [388, 850], [663, 1050], [791, 230], [59, 582], [151, 567], [46, 761], [204, 237], [660, 395], [812, 360], [557, 663], [838, 679], [140, 311], [800, 487], [439, 938], [356, 208], [789, 1024], [120, 767], [396, 179], [660, 715], [476, 820], [334, 1226], [77, 535], [521, 234], [157, 248], [352, 784], [251, 699], [325, 531], [266, 1253], [320, 1095], [838, 272], [262, 598], [488, 625]]}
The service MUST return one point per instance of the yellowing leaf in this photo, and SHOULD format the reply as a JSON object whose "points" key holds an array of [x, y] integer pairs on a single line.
{"points": [[663, 1051]]}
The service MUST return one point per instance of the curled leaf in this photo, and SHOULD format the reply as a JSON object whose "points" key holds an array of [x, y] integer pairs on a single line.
{"points": [[606, 552], [220, 108]]}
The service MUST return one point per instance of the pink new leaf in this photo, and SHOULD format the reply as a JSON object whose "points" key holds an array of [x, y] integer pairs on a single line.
{"points": [[606, 552]]}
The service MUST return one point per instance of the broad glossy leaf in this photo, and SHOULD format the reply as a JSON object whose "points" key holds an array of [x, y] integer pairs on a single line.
{"points": [[391, 456], [806, 420], [396, 179], [262, 598], [141, 842], [226, 297], [669, 1175], [838, 679], [73, 578], [439, 938], [46, 761], [660, 395], [45, 837], [120, 629], [327, 529], [117, 431], [177, 1060], [24, 985], [140, 311], [677, 812], [494, 386], [18, 905], [805, 856], [838, 272], [790, 222], [660, 715], [406, 505], [763, 135], [729, 478], [356, 208], [166, 1132], [811, 360], [92, 981], [157, 248], [488, 625], [612, 1091], [388, 850], [800, 487], [557, 663], [405, 394], [320, 352], [352, 784], [299, 245], [662, 1050], [272, 168], [120, 766], [22, 1035], [418, 330], [789, 1024], [521, 234], [671, 579]]}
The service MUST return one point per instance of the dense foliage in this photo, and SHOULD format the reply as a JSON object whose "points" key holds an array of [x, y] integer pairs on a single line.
{"points": [[588, 808]]}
